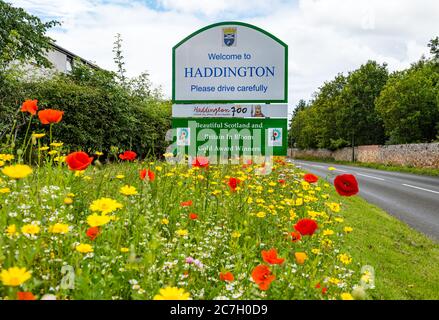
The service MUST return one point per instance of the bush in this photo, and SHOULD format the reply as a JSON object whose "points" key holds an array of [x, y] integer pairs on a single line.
{"points": [[99, 112]]}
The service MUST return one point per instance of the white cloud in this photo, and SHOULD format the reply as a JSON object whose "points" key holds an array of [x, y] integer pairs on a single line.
{"points": [[324, 36]]}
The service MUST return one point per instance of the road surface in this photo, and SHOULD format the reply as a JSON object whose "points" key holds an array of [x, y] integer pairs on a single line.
{"points": [[411, 198]]}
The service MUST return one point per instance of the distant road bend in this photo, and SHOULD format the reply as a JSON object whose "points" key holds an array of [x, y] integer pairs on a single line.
{"points": [[411, 198]]}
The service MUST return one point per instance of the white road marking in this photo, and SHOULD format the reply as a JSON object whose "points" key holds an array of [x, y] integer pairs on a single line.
{"points": [[340, 170], [367, 176], [315, 165], [408, 185]]}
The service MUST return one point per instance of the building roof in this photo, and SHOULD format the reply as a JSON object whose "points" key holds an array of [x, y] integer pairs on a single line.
{"points": [[73, 56]]}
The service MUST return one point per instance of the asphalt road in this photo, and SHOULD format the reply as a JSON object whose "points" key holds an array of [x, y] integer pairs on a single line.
{"points": [[411, 198]]}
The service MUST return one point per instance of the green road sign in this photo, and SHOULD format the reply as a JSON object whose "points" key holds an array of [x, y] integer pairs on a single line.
{"points": [[229, 137]]}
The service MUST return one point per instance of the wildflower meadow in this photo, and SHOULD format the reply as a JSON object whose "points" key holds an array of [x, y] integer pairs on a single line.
{"points": [[74, 228]]}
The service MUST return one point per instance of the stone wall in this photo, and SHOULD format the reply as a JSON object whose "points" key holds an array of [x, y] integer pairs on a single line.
{"points": [[422, 155]]}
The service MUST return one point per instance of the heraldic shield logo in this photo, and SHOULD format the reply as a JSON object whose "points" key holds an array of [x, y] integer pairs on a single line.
{"points": [[229, 37]]}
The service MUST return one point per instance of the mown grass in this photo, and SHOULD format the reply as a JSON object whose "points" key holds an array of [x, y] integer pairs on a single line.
{"points": [[395, 168], [406, 262]]}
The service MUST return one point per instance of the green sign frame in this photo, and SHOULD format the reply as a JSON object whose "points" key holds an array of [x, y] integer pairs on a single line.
{"points": [[285, 100]]}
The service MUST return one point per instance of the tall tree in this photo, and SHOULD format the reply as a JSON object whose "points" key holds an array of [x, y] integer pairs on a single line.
{"points": [[357, 118], [23, 37], [409, 104]]}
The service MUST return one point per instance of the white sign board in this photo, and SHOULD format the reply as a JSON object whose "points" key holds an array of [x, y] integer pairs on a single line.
{"points": [[230, 62], [230, 111]]}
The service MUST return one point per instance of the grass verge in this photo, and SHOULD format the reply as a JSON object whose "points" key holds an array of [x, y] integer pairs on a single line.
{"points": [[405, 169], [406, 262]]}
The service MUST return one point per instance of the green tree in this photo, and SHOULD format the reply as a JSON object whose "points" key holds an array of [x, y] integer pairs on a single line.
{"points": [[22, 37], [409, 104], [434, 48], [357, 119]]}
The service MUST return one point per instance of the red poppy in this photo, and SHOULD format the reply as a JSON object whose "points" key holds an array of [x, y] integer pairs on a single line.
{"points": [[271, 257], [49, 116], [306, 227], [30, 106], [193, 216], [324, 290], [143, 173], [295, 236], [262, 276], [233, 183], [281, 181], [92, 232], [200, 162], [78, 160], [310, 178], [25, 295], [226, 276], [346, 185], [128, 155], [186, 203]]}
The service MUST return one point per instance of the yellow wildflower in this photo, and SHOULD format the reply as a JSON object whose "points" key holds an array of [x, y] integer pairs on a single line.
{"points": [[124, 250], [236, 234], [328, 232], [56, 144], [6, 157], [172, 293], [348, 229], [261, 214], [68, 200], [17, 171], [120, 176], [30, 229], [105, 205], [182, 232], [5, 190], [333, 206], [128, 190], [165, 221], [84, 248], [344, 258], [11, 230], [59, 228], [14, 276], [96, 220], [38, 135], [43, 148], [346, 296]]}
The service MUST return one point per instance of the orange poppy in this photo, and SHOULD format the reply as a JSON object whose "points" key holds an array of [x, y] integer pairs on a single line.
{"points": [[25, 295], [226, 276], [271, 257], [262, 276], [30, 106], [49, 116]]}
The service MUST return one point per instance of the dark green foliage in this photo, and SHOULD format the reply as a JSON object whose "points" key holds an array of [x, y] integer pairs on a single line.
{"points": [[408, 104], [99, 112]]}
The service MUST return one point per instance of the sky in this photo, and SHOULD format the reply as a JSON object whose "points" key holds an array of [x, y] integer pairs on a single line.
{"points": [[325, 37]]}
